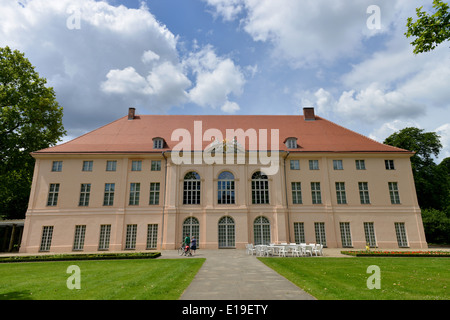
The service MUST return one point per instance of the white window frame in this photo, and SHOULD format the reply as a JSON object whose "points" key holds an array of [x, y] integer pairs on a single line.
{"points": [[57, 166], [363, 188], [154, 193], [192, 188], [130, 239], [88, 165], [316, 194], [78, 241], [346, 236], [369, 232], [46, 238], [341, 196], [296, 188], [295, 164], [260, 189], [53, 194], [105, 236], [135, 192], [108, 197], [111, 165], [85, 194], [338, 165], [394, 193], [313, 164], [400, 232]]}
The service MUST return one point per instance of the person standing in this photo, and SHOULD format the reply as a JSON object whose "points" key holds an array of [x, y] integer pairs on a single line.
{"points": [[193, 244]]}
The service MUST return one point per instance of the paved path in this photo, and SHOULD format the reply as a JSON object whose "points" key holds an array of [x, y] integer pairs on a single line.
{"points": [[231, 274]]}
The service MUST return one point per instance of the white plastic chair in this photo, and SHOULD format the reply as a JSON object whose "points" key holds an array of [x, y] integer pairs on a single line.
{"points": [[297, 251], [250, 248], [309, 249], [317, 249]]}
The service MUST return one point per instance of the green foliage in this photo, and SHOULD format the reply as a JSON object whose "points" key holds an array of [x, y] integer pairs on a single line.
{"points": [[437, 226], [430, 30], [81, 256], [432, 182], [30, 120]]}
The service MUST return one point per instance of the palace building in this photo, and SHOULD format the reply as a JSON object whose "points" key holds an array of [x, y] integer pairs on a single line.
{"points": [[143, 182]]}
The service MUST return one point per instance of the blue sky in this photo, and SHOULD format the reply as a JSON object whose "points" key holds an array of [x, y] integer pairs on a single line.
{"points": [[234, 57]]}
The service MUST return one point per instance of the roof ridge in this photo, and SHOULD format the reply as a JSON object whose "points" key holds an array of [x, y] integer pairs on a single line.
{"points": [[363, 136], [79, 137]]}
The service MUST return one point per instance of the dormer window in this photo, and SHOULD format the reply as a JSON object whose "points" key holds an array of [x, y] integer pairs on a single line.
{"points": [[158, 143], [291, 143]]}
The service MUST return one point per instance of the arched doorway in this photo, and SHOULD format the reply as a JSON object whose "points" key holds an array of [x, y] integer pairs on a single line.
{"points": [[191, 226], [226, 233], [261, 230]]}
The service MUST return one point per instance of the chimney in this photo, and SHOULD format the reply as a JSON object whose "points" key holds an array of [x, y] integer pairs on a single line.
{"points": [[308, 114], [131, 112]]}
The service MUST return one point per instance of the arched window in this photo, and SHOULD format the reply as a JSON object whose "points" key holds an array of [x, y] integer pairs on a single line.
{"points": [[225, 188], [261, 230], [226, 233], [191, 188], [191, 227], [260, 188]]}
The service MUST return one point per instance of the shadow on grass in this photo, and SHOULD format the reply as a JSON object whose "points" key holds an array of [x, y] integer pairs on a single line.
{"points": [[16, 295]]}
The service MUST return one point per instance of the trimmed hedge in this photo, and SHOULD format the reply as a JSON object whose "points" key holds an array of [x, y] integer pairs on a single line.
{"points": [[368, 253], [87, 256]]}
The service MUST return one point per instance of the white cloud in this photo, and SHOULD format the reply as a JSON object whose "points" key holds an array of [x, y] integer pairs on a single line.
{"points": [[444, 132], [309, 31], [230, 107], [216, 79], [228, 9]]}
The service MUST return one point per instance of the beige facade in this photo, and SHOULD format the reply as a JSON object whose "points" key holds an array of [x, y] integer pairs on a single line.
{"points": [[286, 218], [118, 200]]}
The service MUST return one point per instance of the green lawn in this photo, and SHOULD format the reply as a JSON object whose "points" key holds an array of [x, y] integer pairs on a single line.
{"points": [[346, 278], [161, 279]]}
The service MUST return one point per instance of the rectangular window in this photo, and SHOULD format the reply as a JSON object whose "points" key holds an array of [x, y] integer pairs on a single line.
{"points": [[313, 164], [135, 190], [152, 236], [295, 165], [46, 239], [156, 165], [53, 195], [78, 242], [360, 164], [346, 237], [401, 234], [111, 165], [296, 192], [105, 233], [369, 232], [130, 240], [319, 228], [88, 165], [340, 193], [57, 166], [225, 191], [315, 193], [191, 192], [299, 232], [364, 192], [154, 193], [85, 194], [389, 164], [393, 192], [108, 198], [158, 143], [136, 165], [337, 165], [260, 191]]}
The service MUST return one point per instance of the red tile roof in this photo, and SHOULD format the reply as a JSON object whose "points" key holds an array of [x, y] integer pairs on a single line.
{"points": [[135, 136]]}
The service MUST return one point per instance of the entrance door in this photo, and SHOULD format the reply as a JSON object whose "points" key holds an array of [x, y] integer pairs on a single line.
{"points": [[226, 233], [261, 230]]}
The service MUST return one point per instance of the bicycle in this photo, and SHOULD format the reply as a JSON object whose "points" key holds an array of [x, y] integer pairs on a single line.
{"points": [[184, 250]]}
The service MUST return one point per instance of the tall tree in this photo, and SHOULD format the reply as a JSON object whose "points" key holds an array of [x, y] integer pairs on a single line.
{"points": [[429, 30], [428, 177], [30, 119]]}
